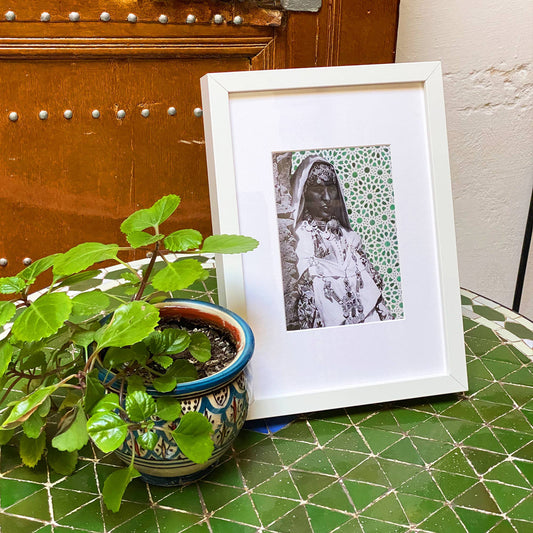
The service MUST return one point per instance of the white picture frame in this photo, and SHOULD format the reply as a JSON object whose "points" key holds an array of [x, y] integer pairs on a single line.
{"points": [[252, 117]]}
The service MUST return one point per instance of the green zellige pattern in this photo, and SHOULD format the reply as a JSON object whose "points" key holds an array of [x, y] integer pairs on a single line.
{"points": [[458, 463]]}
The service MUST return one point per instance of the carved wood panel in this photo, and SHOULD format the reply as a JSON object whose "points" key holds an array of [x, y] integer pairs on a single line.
{"points": [[63, 181]]}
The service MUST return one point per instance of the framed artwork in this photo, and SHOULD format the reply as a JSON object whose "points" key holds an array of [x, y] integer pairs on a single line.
{"points": [[342, 175]]}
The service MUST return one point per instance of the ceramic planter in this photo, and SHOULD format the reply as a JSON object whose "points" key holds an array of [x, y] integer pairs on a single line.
{"points": [[223, 398]]}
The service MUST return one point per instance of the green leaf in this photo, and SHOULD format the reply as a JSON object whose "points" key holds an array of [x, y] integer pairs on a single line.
{"points": [[83, 256], [163, 360], [108, 403], [43, 317], [114, 357], [72, 432], [72, 398], [175, 340], [107, 430], [45, 407], [139, 406], [27, 405], [147, 440], [33, 361], [6, 435], [115, 485], [6, 353], [7, 310], [168, 409], [200, 347], [193, 436], [135, 383], [183, 371], [165, 383], [11, 285], [183, 239], [77, 278], [169, 341], [33, 425], [37, 268], [94, 391], [63, 463], [141, 238], [151, 217], [31, 450], [179, 275], [88, 304], [131, 322], [128, 275], [83, 338], [229, 244]]}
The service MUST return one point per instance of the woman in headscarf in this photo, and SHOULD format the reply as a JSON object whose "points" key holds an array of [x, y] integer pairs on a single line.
{"points": [[337, 284]]}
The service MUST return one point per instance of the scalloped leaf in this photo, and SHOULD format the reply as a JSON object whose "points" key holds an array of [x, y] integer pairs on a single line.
{"points": [[37, 267], [88, 304], [200, 347], [147, 440], [6, 353], [193, 436], [23, 408], [72, 434], [141, 238], [179, 275], [130, 324], [229, 244], [7, 311], [107, 430], [43, 317], [83, 256], [31, 450], [168, 409], [115, 485], [12, 285], [139, 406], [151, 217], [63, 463], [183, 239]]}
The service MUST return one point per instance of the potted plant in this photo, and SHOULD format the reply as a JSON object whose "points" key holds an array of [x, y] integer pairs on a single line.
{"points": [[127, 372]]}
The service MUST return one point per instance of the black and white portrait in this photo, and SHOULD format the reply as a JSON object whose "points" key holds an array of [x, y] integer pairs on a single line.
{"points": [[328, 278]]}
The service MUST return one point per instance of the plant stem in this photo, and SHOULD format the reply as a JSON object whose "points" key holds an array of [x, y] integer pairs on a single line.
{"points": [[148, 272]]}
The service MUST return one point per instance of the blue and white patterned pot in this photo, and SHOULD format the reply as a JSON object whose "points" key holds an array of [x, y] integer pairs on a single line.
{"points": [[223, 398]]}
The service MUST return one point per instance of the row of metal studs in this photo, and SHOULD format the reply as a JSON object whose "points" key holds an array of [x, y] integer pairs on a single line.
{"points": [[68, 114], [106, 17]]}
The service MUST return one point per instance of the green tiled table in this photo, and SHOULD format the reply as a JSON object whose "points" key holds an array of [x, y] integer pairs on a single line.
{"points": [[446, 464]]}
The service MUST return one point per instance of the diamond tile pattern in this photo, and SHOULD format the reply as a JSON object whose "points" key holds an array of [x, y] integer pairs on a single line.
{"points": [[460, 463]]}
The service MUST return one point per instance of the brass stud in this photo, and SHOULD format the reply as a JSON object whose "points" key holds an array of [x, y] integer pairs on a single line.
{"points": [[171, 111], [74, 17], [10, 16], [13, 116], [95, 113], [3, 262], [121, 114], [198, 112], [191, 19], [27, 261], [68, 114], [218, 19], [132, 18], [145, 113], [238, 20], [163, 19], [45, 17], [105, 16], [43, 114]]}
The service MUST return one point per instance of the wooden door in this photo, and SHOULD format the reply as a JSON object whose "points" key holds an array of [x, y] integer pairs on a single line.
{"points": [[68, 180]]}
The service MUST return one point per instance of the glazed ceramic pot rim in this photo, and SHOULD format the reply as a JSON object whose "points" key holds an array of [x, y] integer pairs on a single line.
{"points": [[220, 378]]}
